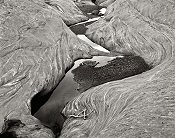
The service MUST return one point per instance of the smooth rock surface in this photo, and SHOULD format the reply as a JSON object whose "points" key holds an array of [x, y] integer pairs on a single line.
{"points": [[139, 106], [36, 49]]}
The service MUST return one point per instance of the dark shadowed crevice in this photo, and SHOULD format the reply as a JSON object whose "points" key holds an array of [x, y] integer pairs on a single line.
{"points": [[93, 1], [9, 128], [41, 98], [38, 100], [8, 135]]}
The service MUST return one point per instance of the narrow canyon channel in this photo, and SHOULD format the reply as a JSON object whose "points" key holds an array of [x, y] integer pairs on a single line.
{"points": [[50, 113], [87, 68]]}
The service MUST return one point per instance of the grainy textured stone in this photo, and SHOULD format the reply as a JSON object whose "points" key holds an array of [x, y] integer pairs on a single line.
{"points": [[36, 49], [87, 75], [142, 105]]}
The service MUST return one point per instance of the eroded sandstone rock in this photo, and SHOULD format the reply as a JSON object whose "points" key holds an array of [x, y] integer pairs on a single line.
{"points": [[139, 106], [67, 10], [135, 27], [36, 49]]}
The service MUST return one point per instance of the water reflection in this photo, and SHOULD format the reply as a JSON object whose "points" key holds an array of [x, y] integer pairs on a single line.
{"points": [[50, 113], [67, 88]]}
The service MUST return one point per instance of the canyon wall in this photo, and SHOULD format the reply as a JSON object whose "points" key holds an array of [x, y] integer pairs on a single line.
{"points": [[141, 105], [67, 10], [36, 49]]}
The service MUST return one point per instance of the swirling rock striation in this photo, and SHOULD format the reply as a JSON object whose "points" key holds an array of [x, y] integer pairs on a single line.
{"points": [[138, 106], [36, 49], [67, 10], [135, 30]]}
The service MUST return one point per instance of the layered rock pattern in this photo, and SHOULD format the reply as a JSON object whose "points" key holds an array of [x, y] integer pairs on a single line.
{"points": [[129, 28], [36, 49], [138, 106], [67, 10]]}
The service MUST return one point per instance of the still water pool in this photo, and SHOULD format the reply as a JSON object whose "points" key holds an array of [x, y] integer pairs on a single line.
{"points": [[50, 113], [68, 86]]}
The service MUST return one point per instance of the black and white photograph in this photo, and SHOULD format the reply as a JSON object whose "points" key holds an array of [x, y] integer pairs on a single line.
{"points": [[87, 68]]}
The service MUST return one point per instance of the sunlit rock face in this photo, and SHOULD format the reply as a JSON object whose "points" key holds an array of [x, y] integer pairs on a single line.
{"points": [[141, 105], [136, 27], [36, 49]]}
